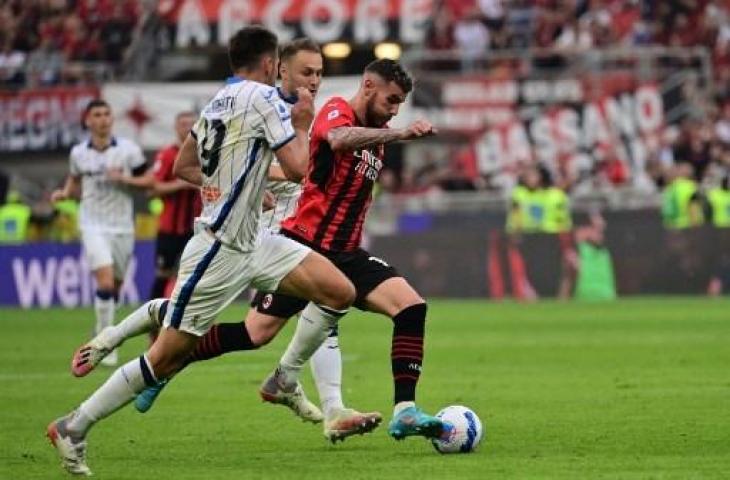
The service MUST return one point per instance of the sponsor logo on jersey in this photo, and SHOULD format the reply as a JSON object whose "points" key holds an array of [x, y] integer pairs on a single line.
{"points": [[210, 193], [368, 165]]}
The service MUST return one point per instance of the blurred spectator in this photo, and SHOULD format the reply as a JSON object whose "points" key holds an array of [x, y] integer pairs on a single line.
{"points": [[44, 64], [14, 220], [11, 63], [494, 13], [55, 37], [117, 33], [694, 147], [472, 40], [440, 34], [576, 36], [681, 202], [718, 201]]}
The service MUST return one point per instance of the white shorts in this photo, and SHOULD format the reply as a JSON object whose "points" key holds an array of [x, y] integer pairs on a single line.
{"points": [[108, 249], [212, 275]]}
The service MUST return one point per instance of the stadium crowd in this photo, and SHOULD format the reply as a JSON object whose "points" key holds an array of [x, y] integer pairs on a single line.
{"points": [[46, 42], [481, 29], [478, 26]]}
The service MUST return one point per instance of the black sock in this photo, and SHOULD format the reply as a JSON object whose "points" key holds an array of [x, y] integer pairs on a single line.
{"points": [[222, 338], [104, 294], [406, 354], [158, 287]]}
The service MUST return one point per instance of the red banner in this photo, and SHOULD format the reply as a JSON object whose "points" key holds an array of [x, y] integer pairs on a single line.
{"points": [[201, 23], [286, 10], [42, 119]]}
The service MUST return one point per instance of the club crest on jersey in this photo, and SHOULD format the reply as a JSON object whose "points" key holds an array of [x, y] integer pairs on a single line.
{"points": [[368, 165], [268, 299], [210, 193]]}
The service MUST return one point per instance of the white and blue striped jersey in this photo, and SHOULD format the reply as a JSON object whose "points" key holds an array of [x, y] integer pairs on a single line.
{"points": [[285, 193], [105, 205], [237, 134]]}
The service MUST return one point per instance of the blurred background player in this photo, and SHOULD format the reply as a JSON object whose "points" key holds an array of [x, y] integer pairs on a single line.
{"points": [[103, 171], [181, 204]]}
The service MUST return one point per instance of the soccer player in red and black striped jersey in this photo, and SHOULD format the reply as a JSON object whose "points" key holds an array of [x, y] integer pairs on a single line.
{"points": [[181, 202], [346, 155]]}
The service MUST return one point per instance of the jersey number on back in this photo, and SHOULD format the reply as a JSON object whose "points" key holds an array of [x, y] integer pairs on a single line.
{"points": [[212, 155]]}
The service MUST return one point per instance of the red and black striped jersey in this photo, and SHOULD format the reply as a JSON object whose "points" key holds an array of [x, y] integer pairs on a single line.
{"points": [[338, 186], [181, 207]]}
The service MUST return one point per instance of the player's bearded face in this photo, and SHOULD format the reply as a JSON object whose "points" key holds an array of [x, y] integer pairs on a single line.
{"points": [[384, 103]]}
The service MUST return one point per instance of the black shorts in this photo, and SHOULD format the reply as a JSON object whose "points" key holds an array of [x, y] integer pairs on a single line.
{"points": [[365, 272], [168, 250]]}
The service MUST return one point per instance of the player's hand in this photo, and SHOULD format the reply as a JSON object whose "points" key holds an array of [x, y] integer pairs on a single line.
{"points": [[418, 129], [269, 201], [302, 113], [115, 175], [58, 195]]}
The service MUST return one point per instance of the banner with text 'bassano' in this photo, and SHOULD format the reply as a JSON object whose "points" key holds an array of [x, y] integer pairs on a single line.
{"points": [[212, 22], [575, 124]]}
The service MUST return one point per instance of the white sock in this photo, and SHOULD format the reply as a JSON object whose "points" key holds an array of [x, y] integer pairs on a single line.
{"points": [[402, 406], [104, 309], [314, 325], [326, 366], [145, 319], [121, 387]]}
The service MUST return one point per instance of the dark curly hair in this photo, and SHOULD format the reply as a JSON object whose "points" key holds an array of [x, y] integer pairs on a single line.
{"points": [[249, 44], [391, 71]]}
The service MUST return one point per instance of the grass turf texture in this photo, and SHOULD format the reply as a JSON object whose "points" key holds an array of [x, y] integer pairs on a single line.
{"points": [[630, 389]]}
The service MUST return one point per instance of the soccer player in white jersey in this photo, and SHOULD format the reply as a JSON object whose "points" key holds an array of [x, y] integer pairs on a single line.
{"points": [[228, 154], [301, 67], [105, 169]]}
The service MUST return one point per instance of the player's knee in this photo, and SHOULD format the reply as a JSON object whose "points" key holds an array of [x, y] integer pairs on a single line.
{"points": [[260, 337], [106, 285], [164, 366], [340, 297]]}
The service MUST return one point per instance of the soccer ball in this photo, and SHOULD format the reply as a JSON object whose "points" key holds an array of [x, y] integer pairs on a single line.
{"points": [[466, 432]]}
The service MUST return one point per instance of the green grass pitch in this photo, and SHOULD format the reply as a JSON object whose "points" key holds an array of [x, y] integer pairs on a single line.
{"points": [[634, 389]]}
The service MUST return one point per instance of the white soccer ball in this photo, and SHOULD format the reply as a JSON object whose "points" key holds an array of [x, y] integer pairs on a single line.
{"points": [[466, 432]]}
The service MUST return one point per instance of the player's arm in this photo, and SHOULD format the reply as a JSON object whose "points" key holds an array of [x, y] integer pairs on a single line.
{"points": [[72, 186], [187, 165], [276, 174], [140, 177], [343, 139], [71, 189], [172, 186], [137, 163], [293, 155]]}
